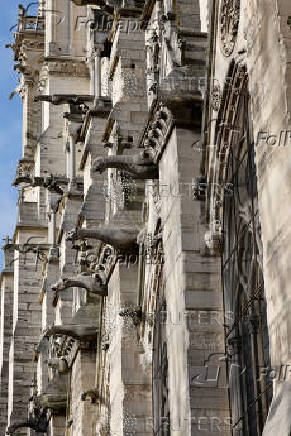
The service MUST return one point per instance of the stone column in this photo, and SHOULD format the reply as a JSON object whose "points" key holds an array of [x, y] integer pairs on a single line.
{"points": [[97, 64], [73, 129], [198, 395]]}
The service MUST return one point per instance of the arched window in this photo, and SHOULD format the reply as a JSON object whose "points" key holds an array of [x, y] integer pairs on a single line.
{"points": [[160, 404], [242, 276]]}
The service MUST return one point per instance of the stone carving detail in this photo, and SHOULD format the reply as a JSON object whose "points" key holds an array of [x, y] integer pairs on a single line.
{"points": [[215, 97], [157, 131], [140, 166], [229, 21], [24, 171], [134, 313]]}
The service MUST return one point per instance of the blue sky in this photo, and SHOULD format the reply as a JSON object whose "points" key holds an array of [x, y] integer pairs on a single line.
{"points": [[10, 120]]}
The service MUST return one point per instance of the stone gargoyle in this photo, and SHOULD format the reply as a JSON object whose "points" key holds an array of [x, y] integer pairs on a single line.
{"points": [[52, 183], [88, 2], [54, 401], [93, 285], [92, 394], [101, 3], [123, 239], [59, 99], [77, 332], [138, 166], [135, 313], [38, 422]]}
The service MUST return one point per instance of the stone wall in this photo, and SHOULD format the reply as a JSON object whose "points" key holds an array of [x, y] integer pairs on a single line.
{"points": [[129, 304]]}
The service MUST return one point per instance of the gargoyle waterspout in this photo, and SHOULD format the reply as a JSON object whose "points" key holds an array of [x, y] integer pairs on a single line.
{"points": [[52, 183], [38, 423], [91, 284], [78, 332], [101, 3], [139, 166], [120, 238], [59, 99]]}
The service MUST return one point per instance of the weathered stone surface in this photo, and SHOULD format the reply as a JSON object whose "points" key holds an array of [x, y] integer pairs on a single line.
{"points": [[166, 310]]}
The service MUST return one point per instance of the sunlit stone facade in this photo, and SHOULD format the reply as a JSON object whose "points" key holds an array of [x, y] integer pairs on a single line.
{"points": [[145, 290]]}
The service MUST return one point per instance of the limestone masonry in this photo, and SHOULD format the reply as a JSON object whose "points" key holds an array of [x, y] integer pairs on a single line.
{"points": [[145, 290]]}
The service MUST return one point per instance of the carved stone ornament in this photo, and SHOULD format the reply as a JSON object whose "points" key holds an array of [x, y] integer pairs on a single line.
{"points": [[215, 97], [229, 21]]}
